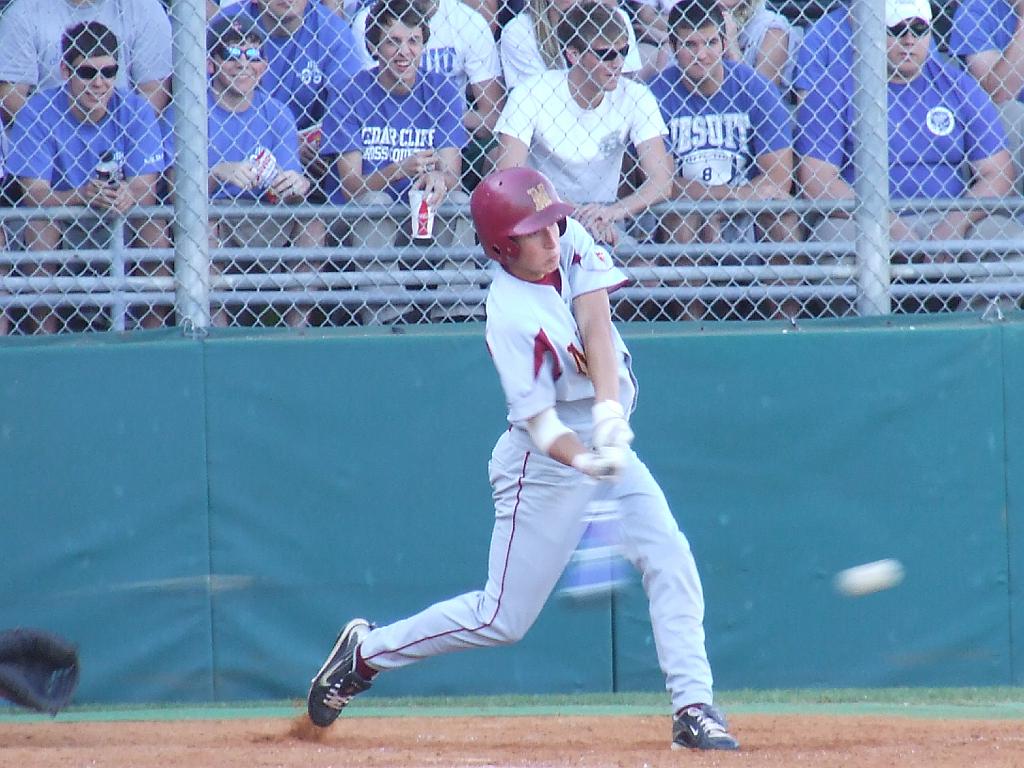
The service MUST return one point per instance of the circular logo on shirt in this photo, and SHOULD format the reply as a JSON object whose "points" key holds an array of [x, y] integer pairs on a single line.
{"points": [[610, 144], [940, 121]]}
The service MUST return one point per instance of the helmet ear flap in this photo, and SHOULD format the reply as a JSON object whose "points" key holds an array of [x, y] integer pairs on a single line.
{"points": [[493, 250], [512, 250]]}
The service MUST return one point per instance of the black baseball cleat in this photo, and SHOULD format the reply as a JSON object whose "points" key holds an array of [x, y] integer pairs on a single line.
{"points": [[701, 726], [337, 681]]}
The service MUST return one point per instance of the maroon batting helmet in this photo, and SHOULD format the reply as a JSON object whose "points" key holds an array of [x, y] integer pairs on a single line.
{"points": [[511, 202]]}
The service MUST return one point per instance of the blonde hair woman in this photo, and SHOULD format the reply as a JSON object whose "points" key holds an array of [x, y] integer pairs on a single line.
{"points": [[529, 44], [763, 39]]}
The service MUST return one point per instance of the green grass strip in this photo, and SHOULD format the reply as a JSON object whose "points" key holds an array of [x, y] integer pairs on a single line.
{"points": [[952, 703]]}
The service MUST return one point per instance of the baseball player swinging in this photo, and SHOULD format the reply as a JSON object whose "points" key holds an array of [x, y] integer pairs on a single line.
{"points": [[569, 387]]}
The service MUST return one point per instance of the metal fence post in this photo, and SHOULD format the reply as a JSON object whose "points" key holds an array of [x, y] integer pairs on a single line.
{"points": [[119, 305], [871, 156], [191, 249]]}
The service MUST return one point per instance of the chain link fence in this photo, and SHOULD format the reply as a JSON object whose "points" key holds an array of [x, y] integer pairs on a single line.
{"points": [[309, 162]]}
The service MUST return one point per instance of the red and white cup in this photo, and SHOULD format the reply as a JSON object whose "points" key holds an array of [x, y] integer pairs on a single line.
{"points": [[312, 136], [421, 218], [264, 165]]}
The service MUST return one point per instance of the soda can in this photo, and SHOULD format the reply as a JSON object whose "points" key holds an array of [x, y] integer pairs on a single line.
{"points": [[108, 169]]}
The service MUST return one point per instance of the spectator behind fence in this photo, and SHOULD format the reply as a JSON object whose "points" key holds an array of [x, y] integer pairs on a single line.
{"points": [[85, 144], [989, 36], [824, 57], [752, 33], [941, 124], [729, 132], [346, 9], [253, 153], [30, 38], [573, 126], [310, 52], [762, 38], [530, 44], [460, 46], [396, 128], [650, 26]]}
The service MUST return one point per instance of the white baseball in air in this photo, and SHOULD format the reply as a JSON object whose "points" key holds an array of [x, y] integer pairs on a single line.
{"points": [[869, 577]]}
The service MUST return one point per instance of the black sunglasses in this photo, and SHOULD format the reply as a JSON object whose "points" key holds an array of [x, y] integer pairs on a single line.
{"points": [[235, 53], [916, 28], [610, 54], [89, 72]]}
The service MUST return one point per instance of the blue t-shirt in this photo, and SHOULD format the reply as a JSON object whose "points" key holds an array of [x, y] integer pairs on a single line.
{"points": [[388, 127], [825, 56], [236, 136], [303, 68], [48, 142], [937, 122], [982, 25], [717, 139]]}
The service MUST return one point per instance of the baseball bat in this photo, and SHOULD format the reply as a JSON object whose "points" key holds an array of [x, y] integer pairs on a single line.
{"points": [[597, 566]]}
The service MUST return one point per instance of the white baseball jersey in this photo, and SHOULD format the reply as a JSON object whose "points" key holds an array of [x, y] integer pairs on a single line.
{"points": [[579, 149], [535, 342], [540, 504]]}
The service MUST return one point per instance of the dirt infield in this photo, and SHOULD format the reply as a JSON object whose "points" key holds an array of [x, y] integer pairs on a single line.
{"points": [[522, 742]]}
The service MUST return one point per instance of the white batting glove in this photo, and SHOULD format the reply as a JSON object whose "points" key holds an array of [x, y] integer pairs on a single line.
{"points": [[605, 464], [611, 430]]}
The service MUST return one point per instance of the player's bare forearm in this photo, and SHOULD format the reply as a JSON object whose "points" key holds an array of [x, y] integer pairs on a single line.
{"points": [[599, 464], [593, 316], [557, 441], [566, 448]]}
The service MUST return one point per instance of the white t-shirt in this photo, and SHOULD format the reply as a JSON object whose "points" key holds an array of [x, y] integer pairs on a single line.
{"points": [[535, 342], [521, 57], [580, 150], [31, 30], [461, 45]]}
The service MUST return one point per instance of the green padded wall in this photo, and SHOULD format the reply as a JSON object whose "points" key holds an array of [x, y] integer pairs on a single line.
{"points": [[348, 476], [201, 515], [1013, 513], [105, 526], [790, 456]]}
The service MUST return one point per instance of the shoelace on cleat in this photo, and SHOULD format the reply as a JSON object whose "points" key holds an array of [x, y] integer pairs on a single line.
{"points": [[335, 699], [708, 724]]}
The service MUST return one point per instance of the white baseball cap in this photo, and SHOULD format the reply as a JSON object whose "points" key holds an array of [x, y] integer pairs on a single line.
{"points": [[904, 10]]}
